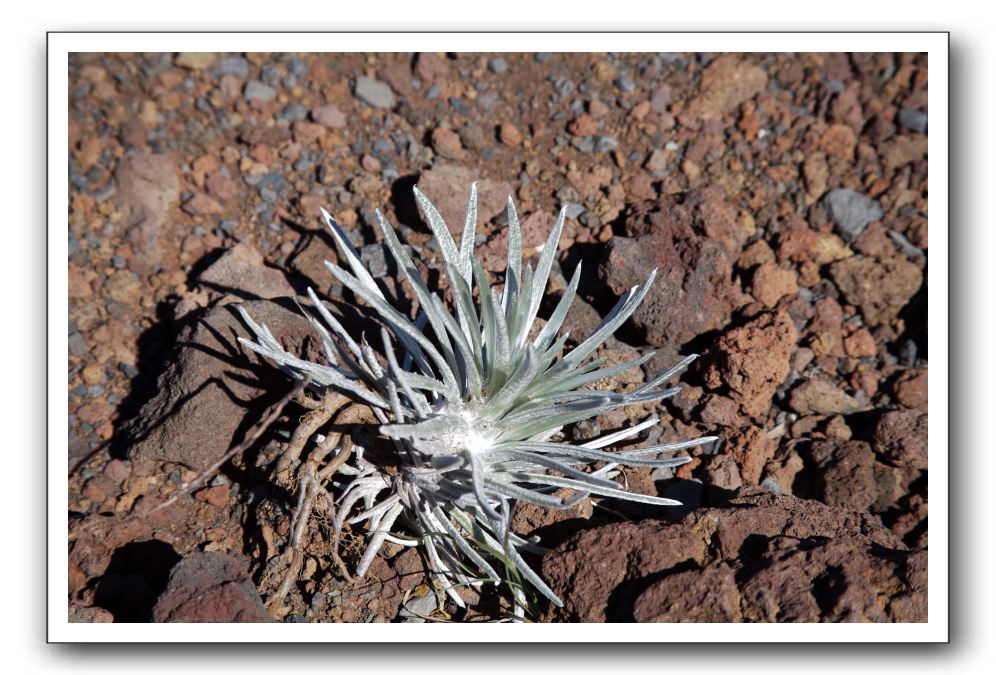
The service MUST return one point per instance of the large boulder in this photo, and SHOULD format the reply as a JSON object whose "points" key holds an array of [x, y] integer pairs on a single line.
{"points": [[757, 557]]}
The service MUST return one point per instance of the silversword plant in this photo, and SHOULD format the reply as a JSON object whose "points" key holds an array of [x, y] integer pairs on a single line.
{"points": [[473, 404]]}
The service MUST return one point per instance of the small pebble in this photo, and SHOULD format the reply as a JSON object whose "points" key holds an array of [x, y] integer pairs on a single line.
{"points": [[373, 92], [914, 120], [257, 91], [626, 84], [294, 112]]}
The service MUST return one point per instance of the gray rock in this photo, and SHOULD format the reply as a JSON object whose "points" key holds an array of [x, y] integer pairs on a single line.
{"points": [[257, 91], [374, 92], [905, 245], [77, 344], [488, 101], [233, 64], [498, 65], [605, 143], [914, 120], [418, 608], [851, 212], [626, 84], [573, 211], [294, 112]]}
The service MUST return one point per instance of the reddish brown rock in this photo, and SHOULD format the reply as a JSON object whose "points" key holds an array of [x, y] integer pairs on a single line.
{"points": [[446, 142], [751, 449], [528, 518], [430, 66], [148, 188], [757, 253], [821, 397], [219, 495], [694, 291], [535, 229], [845, 474], [901, 438], [509, 135], [330, 116], [726, 83], [839, 141], [750, 362], [202, 205], [639, 187], [221, 186], [879, 288], [447, 186], [903, 150], [84, 614], [208, 396], [771, 283], [583, 125], [306, 132], [399, 76], [811, 246], [702, 595], [910, 389], [860, 344], [210, 587], [722, 471], [720, 410], [240, 271], [739, 559], [824, 332], [838, 581]]}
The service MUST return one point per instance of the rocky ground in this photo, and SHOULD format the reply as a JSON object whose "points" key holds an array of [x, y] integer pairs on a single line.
{"points": [[783, 197]]}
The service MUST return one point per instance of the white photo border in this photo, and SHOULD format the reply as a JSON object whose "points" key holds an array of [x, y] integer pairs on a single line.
{"points": [[61, 44]]}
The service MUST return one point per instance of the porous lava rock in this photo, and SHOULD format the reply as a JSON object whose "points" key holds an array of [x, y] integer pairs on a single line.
{"points": [[879, 288], [210, 587], [693, 240], [758, 556], [750, 362]]}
